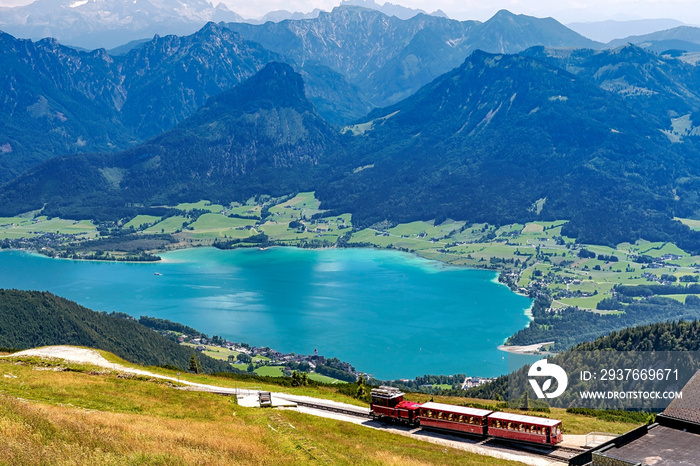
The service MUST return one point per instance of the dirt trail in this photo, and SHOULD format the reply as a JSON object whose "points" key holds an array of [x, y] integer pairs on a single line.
{"points": [[90, 356]]}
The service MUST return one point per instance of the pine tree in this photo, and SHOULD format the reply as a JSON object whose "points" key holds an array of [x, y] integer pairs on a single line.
{"points": [[195, 365]]}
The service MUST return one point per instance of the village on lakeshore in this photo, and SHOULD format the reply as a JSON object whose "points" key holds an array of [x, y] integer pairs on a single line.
{"points": [[266, 361]]}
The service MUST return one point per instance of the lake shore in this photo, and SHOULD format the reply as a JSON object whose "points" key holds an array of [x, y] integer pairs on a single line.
{"points": [[527, 349]]}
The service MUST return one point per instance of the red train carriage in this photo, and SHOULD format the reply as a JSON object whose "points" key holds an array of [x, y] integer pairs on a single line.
{"points": [[454, 418], [388, 402], [525, 428]]}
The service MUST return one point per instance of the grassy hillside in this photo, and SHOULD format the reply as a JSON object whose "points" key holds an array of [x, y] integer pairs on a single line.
{"points": [[31, 318], [80, 415]]}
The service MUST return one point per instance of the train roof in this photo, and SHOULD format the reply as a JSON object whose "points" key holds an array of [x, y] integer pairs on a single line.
{"points": [[386, 392], [541, 421], [456, 409]]}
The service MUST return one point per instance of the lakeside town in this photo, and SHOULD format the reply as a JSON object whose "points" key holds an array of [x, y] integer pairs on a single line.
{"points": [[266, 361]]}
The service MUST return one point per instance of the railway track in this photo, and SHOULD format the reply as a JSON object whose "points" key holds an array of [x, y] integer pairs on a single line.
{"points": [[335, 409], [559, 454]]}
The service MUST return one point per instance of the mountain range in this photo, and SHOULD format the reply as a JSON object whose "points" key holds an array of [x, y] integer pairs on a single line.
{"points": [[538, 128], [59, 100], [501, 139], [92, 24], [389, 59]]}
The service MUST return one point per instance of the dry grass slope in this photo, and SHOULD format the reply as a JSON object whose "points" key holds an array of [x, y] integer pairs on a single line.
{"points": [[66, 414]]}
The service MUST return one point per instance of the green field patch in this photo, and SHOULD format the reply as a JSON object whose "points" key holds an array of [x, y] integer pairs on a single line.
{"points": [[677, 297], [19, 227], [472, 233], [270, 371], [168, 225], [345, 218], [426, 230], [282, 232], [533, 228], [510, 229], [692, 224], [9, 222], [201, 205], [57, 225], [246, 210], [303, 204], [554, 224], [583, 303], [139, 220], [16, 234], [661, 249], [323, 378], [385, 239], [443, 386], [213, 221], [215, 352], [219, 234]]}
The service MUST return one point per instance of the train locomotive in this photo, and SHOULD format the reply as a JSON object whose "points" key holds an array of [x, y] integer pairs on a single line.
{"points": [[388, 404]]}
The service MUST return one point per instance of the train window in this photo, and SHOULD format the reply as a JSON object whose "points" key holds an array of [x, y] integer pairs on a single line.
{"points": [[498, 424], [440, 413], [461, 418], [450, 416], [471, 419], [510, 425]]}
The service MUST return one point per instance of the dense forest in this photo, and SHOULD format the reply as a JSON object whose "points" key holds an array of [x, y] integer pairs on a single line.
{"points": [[570, 326], [659, 337], [32, 318]]}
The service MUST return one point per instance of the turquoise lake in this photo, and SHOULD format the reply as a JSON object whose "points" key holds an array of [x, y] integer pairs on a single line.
{"points": [[391, 314]]}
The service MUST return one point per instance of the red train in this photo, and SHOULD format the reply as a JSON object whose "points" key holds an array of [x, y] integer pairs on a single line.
{"points": [[388, 403]]}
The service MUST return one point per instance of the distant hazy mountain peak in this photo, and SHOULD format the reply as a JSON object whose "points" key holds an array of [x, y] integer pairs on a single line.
{"points": [[606, 31], [110, 23], [387, 8], [281, 15]]}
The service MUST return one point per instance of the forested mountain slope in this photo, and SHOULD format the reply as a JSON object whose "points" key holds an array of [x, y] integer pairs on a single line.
{"points": [[663, 86], [31, 318], [509, 138], [57, 101], [261, 137]]}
